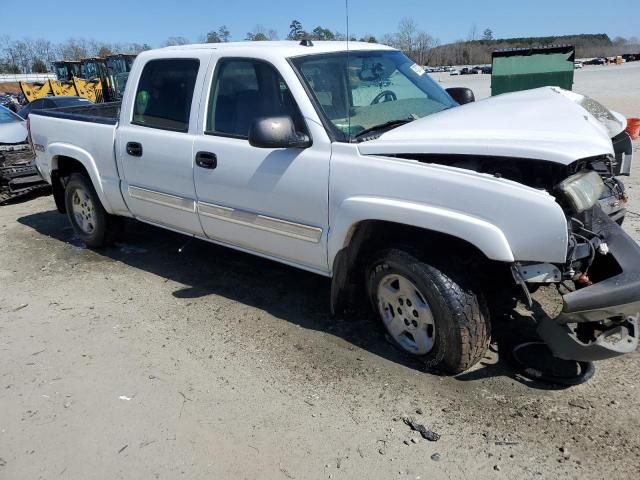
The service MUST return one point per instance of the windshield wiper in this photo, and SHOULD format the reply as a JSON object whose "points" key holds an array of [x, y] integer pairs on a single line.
{"points": [[382, 126]]}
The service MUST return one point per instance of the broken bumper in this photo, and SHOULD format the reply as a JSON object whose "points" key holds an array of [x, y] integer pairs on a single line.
{"points": [[611, 306]]}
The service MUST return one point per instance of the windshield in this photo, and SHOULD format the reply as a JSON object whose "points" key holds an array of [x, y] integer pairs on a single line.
{"points": [[62, 73], [360, 90], [7, 116], [90, 69]]}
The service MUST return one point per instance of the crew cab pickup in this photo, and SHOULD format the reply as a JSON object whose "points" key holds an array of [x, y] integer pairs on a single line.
{"points": [[349, 161]]}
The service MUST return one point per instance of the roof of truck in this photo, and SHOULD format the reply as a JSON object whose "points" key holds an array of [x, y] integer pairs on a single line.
{"points": [[283, 48]]}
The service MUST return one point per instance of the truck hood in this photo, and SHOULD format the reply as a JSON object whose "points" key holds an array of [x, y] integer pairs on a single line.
{"points": [[544, 123]]}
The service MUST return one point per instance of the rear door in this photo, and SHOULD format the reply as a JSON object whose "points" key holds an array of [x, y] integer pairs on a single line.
{"points": [[154, 144]]}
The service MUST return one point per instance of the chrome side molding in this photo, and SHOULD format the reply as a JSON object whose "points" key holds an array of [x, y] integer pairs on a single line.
{"points": [[163, 199], [261, 222]]}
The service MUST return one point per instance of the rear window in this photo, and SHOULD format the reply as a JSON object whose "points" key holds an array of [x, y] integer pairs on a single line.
{"points": [[165, 91]]}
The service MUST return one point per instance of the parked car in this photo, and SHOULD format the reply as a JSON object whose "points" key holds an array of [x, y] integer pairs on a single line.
{"points": [[487, 70], [425, 201], [13, 129], [454, 71], [465, 71], [596, 61], [18, 176], [577, 64], [52, 102], [476, 70]]}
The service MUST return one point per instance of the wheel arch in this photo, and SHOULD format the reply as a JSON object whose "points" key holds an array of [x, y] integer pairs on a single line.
{"points": [[355, 243], [67, 159]]}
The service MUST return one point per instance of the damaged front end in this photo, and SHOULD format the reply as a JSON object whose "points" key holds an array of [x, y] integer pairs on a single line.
{"points": [[600, 281], [19, 176]]}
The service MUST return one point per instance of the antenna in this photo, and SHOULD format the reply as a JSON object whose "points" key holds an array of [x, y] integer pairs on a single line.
{"points": [[346, 8]]}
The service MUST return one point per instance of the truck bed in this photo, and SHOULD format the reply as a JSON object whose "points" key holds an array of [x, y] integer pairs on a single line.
{"points": [[105, 113]]}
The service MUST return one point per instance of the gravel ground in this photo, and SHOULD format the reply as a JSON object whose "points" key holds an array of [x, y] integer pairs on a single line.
{"points": [[142, 362]]}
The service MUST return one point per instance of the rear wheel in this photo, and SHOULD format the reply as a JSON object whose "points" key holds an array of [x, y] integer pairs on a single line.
{"points": [[430, 312], [90, 221]]}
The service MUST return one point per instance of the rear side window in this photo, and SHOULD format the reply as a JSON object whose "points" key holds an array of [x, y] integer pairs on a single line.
{"points": [[165, 91]]}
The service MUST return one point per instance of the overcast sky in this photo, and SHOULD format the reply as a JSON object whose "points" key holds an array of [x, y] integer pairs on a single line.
{"points": [[152, 21]]}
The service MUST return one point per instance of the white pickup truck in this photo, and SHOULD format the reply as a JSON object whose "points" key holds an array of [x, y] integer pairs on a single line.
{"points": [[351, 162]]}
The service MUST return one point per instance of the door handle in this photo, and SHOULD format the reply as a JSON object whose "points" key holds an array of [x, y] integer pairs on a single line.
{"points": [[206, 160], [134, 149]]}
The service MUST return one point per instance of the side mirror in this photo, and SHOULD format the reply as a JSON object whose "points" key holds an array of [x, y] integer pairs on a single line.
{"points": [[276, 132], [462, 95]]}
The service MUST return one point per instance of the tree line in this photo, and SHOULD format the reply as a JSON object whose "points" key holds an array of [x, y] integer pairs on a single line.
{"points": [[35, 56]]}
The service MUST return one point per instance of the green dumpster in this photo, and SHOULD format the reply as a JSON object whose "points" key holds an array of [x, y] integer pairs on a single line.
{"points": [[525, 68]]}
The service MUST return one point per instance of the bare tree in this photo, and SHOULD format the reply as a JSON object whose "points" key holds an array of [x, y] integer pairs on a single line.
{"points": [[73, 49], [406, 36], [388, 39], [260, 33], [424, 43], [173, 41]]}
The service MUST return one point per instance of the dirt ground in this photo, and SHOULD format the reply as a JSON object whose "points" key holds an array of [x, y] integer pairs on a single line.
{"points": [[10, 88], [142, 362]]}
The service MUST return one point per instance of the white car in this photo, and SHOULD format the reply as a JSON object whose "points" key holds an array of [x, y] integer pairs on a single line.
{"points": [[577, 64], [17, 174], [454, 71], [356, 165], [13, 128]]}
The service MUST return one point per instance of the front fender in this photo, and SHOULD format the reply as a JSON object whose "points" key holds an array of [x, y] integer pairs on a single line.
{"points": [[485, 236], [57, 150]]}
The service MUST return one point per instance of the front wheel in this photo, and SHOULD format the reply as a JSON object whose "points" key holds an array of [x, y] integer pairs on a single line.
{"points": [[432, 313], [90, 221]]}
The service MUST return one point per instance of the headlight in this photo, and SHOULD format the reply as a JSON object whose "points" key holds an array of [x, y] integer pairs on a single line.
{"points": [[582, 190]]}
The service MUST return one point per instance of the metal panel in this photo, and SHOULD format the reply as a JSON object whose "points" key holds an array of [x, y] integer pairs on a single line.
{"points": [[527, 68]]}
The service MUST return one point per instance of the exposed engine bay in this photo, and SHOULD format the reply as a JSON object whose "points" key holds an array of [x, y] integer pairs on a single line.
{"points": [[600, 258]]}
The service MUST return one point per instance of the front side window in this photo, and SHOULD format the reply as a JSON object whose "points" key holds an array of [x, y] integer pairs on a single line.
{"points": [[244, 90], [360, 90], [165, 91]]}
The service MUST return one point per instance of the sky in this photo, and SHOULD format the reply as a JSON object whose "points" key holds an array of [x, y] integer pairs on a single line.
{"points": [[153, 21]]}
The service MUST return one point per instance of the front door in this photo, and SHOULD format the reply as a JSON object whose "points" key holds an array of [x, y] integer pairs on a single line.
{"points": [[155, 146], [268, 201]]}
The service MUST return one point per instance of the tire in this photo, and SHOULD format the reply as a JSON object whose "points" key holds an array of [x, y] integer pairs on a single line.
{"points": [[90, 221], [438, 315]]}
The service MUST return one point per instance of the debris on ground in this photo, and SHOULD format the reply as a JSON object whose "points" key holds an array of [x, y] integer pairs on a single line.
{"points": [[421, 429]]}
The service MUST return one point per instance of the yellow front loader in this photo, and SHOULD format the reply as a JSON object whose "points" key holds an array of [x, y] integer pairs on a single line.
{"points": [[36, 90], [118, 67], [65, 71], [93, 82]]}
